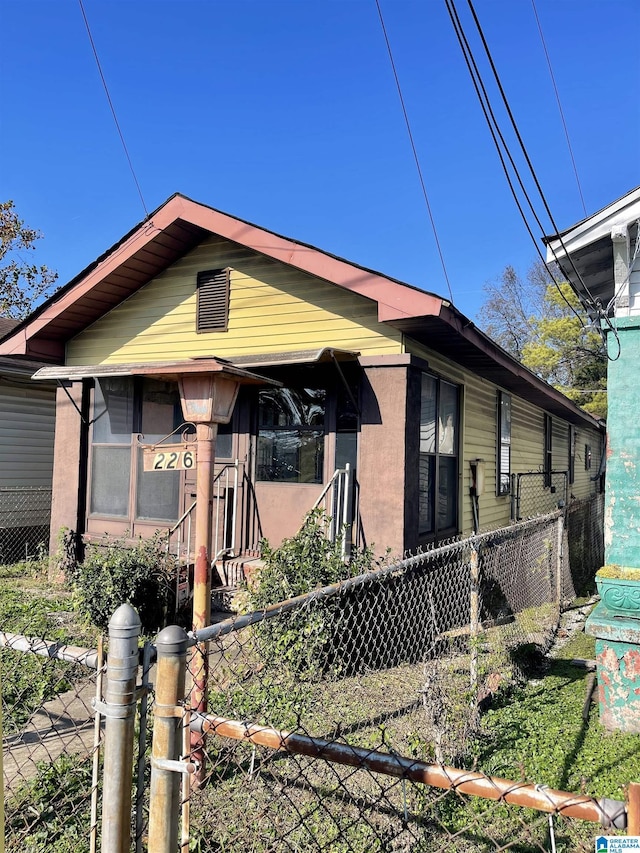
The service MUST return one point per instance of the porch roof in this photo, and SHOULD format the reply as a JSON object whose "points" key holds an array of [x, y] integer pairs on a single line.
{"points": [[156, 368]]}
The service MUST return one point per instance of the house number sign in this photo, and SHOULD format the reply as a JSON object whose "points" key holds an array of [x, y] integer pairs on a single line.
{"points": [[172, 457]]}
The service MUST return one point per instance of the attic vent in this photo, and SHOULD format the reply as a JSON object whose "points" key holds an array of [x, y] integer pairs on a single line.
{"points": [[212, 307]]}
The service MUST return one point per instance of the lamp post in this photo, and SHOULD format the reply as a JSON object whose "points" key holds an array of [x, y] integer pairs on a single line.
{"points": [[208, 393]]}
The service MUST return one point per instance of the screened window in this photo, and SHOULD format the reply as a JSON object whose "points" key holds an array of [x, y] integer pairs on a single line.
{"points": [[503, 479], [438, 459], [119, 487], [291, 431]]}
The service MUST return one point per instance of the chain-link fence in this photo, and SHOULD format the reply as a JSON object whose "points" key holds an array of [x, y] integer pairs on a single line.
{"points": [[334, 721], [538, 492], [329, 712], [584, 521], [50, 742], [24, 523]]}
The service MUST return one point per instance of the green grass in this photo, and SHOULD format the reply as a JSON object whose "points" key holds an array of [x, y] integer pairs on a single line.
{"points": [[50, 812], [31, 605], [533, 733], [539, 734]]}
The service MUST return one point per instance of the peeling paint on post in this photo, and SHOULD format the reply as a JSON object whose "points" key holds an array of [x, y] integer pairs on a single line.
{"points": [[622, 514], [618, 633]]}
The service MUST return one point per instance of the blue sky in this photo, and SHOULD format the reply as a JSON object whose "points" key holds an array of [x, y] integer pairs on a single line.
{"points": [[285, 113]]}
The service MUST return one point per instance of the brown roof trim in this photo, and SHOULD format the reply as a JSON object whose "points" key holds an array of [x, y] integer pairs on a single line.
{"points": [[180, 223], [395, 299]]}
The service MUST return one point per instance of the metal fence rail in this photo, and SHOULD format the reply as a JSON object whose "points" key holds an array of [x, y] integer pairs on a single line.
{"points": [[536, 492]]}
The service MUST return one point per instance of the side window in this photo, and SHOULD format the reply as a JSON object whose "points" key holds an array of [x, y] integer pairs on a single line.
{"points": [[124, 408], [291, 432], [587, 457], [438, 457], [111, 447], [548, 451], [503, 462], [572, 453]]}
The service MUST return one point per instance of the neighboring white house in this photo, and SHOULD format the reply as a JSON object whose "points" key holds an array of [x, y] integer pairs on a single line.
{"points": [[27, 421]]}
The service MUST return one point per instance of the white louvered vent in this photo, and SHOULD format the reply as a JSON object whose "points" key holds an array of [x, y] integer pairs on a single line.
{"points": [[212, 309]]}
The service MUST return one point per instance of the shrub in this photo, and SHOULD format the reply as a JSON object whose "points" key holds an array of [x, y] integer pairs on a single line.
{"points": [[305, 640], [116, 572]]}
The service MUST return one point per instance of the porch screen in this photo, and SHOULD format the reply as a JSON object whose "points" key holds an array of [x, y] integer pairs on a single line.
{"points": [[438, 474], [291, 435], [119, 487]]}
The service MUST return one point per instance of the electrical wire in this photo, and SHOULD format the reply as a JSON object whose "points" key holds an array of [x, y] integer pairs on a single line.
{"points": [[593, 304], [527, 158], [113, 111], [555, 89], [496, 134], [493, 126], [413, 148]]}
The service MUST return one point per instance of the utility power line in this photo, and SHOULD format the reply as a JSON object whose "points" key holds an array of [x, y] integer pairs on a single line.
{"points": [[113, 111], [555, 89], [413, 148]]}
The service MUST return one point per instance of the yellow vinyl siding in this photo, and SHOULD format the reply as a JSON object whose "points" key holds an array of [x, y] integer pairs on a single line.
{"points": [[479, 441], [273, 308]]}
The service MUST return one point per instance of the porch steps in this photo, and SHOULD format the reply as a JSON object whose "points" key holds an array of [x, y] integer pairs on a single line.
{"points": [[236, 571], [233, 574]]}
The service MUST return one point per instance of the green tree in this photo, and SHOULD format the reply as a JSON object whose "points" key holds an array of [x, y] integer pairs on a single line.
{"points": [[544, 326], [22, 284]]}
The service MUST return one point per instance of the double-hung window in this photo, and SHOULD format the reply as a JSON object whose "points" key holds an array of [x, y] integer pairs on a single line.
{"points": [[572, 453], [438, 460]]}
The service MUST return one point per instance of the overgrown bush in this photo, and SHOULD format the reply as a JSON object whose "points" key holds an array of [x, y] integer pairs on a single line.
{"points": [[118, 572], [305, 640]]}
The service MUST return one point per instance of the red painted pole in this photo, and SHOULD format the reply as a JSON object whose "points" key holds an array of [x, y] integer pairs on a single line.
{"points": [[198, 662]]}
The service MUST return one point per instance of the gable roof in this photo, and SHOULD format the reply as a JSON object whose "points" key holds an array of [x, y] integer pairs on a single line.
{"points": [[7, 324], [180, 224], [15, 366], [587, 248]]}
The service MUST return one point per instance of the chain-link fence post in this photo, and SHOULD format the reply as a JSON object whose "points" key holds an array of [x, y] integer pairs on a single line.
{"points": [[474, 616], [119, 710], [559, 560], [164, 804]]}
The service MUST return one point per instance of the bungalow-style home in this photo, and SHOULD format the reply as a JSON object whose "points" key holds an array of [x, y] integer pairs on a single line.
{"points": [[27, 417], [362, 374]]}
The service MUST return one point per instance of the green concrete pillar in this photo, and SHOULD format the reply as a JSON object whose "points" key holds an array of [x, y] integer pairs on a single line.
{"points": [[615, 622], [622, 493]]}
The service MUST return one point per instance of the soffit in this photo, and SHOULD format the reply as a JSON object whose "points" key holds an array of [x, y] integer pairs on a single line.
{"points": [[457, 339]]}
